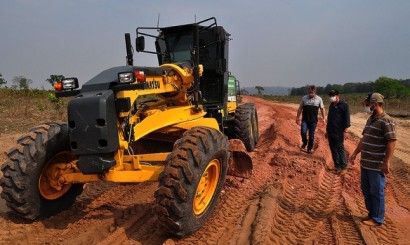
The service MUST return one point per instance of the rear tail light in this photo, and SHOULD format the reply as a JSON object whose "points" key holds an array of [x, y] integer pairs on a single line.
{"points": [[140, 75], [58, 86]]}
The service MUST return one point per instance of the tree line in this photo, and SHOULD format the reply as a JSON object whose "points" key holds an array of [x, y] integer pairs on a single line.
{"points": [[389, 87], [23, 83]]}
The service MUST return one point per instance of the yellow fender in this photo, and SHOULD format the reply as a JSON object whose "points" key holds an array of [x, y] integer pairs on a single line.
{"points": [[173, 117]]}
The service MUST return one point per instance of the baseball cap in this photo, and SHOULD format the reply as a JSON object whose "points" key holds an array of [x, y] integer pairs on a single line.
{"points": [[333, 92], [375, 97]]}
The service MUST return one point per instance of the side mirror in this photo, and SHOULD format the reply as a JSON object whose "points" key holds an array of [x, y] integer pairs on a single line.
{"points": [[140, 43]]}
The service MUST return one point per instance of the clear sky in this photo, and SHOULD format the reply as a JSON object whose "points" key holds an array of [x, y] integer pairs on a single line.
{"points": [[287, 43]]}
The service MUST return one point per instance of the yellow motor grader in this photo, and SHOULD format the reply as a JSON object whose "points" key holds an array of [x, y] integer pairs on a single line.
{"points": [[174, 124]]}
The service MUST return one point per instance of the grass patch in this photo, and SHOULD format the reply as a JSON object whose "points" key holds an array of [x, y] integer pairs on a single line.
{"points": [[21, 110]]}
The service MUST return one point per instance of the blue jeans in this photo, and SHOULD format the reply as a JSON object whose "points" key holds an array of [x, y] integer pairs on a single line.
{"points": [[373, 183], [336, 144], [311, 127]]}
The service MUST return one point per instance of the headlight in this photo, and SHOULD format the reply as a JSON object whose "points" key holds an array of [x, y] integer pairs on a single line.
{"points": [[126, 77], [70, 83], [66, 84]]}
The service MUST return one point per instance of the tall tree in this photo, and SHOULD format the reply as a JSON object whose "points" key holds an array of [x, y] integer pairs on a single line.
{"points": [[260, 89], [386, 86], [21, 82], [2, 80], [54, 78], [402, 91]]}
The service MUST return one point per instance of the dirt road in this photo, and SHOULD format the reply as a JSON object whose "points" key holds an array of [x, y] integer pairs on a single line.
{"points": [[292, 198]]}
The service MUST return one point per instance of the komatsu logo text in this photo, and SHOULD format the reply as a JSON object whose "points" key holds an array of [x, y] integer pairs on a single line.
{"points": [[153, 84]]}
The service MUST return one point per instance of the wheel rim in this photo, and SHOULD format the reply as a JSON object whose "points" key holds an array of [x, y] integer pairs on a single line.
{"points": [[206, 187], [50, 185]]}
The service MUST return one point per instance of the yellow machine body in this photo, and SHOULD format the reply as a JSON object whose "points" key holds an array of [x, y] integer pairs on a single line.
{"points": [[157, 118]]}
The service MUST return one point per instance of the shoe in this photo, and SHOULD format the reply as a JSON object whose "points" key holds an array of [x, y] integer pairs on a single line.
{"points": [[371, 222], [336, 170], [310, 151], [303, 146], [343, 171], [364, 218]]}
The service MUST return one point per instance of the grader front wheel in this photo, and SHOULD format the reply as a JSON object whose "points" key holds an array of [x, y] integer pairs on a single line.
{"points": [[30, 176], [192, 180]]}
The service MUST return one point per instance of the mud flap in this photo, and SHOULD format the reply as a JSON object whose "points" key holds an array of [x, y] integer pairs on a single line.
{"points": [[240, 163]]}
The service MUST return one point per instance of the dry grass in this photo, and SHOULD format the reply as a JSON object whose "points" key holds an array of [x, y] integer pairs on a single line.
{"points": [[21, 110]]}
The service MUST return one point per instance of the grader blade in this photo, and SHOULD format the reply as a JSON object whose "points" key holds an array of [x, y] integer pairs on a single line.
{"points": [[240, 163]]}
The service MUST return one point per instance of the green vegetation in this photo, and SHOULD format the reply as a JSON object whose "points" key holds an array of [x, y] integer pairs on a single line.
{"points": [[395, 91], [21, 110], [2, 80], [54, 78], [21, 82], [393, 106], [392, 88], [260, 89], [388, 87]]}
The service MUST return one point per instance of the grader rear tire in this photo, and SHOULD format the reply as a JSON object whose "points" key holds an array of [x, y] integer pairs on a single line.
{"points": [[192, 180], [246, 125], [25, 175], [255, 125]]}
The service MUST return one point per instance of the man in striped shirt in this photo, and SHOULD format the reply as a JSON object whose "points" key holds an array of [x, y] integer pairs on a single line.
{"points": [[376, 148]]}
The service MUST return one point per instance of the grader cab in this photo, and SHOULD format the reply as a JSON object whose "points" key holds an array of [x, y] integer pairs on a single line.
{"points": [[176, 124]]}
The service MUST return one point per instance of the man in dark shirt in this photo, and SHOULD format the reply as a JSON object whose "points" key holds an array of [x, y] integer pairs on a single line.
{"points": [[338, 120], [310, 105], [376, 147]]}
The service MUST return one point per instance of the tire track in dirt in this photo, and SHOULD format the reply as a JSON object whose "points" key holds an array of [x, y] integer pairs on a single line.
{"points": [[402, 148], [230, 210], [130, 215], [401, 184], [297, 220], [385, 234], [103, 210], [40, 232], [135, 223], [344, 228], [303, 221]]}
